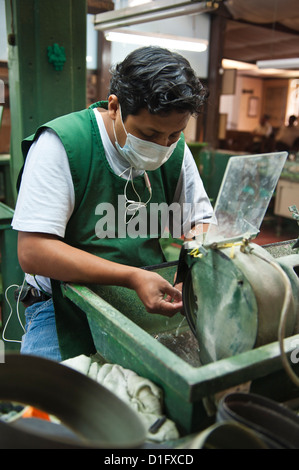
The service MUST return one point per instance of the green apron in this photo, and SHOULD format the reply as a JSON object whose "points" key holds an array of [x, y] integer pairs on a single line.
{"points": [[96, 183]]}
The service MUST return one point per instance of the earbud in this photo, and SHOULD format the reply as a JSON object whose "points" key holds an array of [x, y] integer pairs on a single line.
{"points": [[147, 182]]}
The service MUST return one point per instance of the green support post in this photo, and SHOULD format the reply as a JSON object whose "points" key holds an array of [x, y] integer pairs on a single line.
{"points": [[47, 65], [47, 78]]}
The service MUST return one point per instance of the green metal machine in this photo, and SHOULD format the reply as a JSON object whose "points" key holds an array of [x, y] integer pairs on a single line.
{"points": [[167, 353], [229, 335], [240, 291]]}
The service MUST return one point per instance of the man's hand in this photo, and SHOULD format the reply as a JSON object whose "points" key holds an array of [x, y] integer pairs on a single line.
{"points": [[157, 294]]}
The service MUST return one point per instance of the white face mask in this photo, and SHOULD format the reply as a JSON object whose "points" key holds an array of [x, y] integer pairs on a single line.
{"points": [[141, 154]]}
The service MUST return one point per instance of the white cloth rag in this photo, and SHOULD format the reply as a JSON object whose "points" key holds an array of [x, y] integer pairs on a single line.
{"points": [[141, 394]]}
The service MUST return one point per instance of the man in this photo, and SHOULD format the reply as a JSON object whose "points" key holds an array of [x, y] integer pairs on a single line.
{"points": [[287, 135], [129, 154], [261, 134]]}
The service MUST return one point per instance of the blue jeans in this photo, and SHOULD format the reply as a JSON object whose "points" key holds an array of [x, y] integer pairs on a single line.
{"points": [[40, 338]]}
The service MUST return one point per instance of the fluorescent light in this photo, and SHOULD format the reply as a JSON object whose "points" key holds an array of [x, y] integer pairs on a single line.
{"points": [[152, 11], [155, 39], [135, 3], [236, 64], [278, 64], [249, 69]]}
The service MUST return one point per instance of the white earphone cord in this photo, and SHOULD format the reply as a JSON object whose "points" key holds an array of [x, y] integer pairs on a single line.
{"points": [[131, 205], [11, 311]]}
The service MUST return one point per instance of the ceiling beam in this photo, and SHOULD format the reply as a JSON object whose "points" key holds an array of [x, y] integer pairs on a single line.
{"points": [[99, 6]]}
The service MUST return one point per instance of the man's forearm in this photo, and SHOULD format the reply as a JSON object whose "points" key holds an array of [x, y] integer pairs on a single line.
{"points": [[49, 256], [196, 230]]}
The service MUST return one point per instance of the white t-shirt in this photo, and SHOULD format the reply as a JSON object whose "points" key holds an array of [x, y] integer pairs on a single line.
{"points": [[46, 198]]}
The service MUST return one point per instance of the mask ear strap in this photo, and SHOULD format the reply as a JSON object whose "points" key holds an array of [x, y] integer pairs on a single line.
{"points": [[121, 117], [113, 125]]}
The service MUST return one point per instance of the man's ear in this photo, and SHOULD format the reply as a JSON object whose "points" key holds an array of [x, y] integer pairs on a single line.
{"points": [[113, 106]]}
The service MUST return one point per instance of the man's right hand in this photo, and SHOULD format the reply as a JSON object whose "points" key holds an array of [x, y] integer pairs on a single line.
{"points": [[157, 294]]}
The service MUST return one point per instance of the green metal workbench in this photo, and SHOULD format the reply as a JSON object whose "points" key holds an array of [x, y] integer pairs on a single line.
{"points": [[164, 351]]}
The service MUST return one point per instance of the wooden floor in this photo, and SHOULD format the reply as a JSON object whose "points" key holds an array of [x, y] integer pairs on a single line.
{"points": [[275, 230]]}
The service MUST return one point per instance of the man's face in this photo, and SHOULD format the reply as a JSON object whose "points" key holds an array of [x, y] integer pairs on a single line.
{"points": [[160, 129]]}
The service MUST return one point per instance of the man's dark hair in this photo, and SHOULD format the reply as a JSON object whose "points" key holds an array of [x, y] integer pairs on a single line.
{"points": [[158, 80]]}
